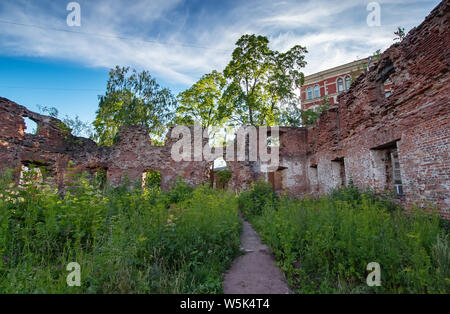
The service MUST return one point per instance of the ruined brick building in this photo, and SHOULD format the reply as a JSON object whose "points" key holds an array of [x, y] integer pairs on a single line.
{"points": [[395, 142]]}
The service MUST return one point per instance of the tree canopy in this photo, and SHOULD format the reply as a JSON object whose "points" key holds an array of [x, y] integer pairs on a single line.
{"points": [[203, 102], [261, 80], [257, 87], [133, 98]]}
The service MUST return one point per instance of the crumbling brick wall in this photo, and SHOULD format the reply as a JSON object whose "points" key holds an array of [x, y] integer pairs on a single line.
{"points": [[59, 151], [376, 140], [367, 138], [414, 119]]}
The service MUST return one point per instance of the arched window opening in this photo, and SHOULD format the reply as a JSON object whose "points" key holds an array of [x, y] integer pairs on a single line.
{"points": [[316, 91], [348, 82], [309, 93], [220, 174], [340, 85], [31, 127]]}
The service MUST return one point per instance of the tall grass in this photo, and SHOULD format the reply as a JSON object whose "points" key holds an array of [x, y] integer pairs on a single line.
{"points": [[126, 241], [325, 245]]}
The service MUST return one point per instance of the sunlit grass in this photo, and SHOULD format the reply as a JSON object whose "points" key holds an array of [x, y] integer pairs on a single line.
{"points": [[324, 245], [126, 241]]}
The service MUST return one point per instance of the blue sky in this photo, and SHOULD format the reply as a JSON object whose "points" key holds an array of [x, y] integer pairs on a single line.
{"points": [[44, 61]]}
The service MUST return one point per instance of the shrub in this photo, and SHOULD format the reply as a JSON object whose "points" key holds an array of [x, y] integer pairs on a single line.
{"points": [[260, 196], [224, 176], [180, 191]]}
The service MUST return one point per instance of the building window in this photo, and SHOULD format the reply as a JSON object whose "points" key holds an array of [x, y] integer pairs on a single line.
{"points": [[338, 169], [340, 85], [316, 91], [397, 177], [277, 178], [309, 93], [314, 178], [31, 127], [348, 82], [387, 168]]}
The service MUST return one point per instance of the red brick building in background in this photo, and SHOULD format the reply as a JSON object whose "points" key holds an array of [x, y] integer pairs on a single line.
{"points": [[330, 83]]}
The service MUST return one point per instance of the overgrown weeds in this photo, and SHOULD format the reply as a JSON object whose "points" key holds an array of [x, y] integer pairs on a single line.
{"points": [[125, 240], [325, 245]]}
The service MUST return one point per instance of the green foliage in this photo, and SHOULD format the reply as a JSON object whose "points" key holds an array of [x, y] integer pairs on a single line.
{"points": [[152, 180], [253, 201], [324, 245], [79, 127], [70, 126], [377, 55], [294, 116], [133, 99], [310, 116], [400, 34], [126, 241], [224, 176], [51, 111], [203, 102], [179, 192], [261, 79]]}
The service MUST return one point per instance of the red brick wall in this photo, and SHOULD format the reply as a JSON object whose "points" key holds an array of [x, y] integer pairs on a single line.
{"points": [[417, 115]]}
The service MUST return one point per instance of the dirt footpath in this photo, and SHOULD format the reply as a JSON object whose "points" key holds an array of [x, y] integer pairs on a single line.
{"points": [[255, 272]]}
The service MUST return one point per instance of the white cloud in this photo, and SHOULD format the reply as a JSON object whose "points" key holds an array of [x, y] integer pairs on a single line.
{"points": [[309, 23]]}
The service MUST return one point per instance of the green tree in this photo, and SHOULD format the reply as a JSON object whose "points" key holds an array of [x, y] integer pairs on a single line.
{"points": [[79, 127], [133, 98], [260, 80], [295, 116], [400, 34], [203, 102], [75, 126]]}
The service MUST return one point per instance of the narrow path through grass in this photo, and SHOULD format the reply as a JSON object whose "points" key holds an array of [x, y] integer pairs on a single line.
{"points": [[254, 272]]}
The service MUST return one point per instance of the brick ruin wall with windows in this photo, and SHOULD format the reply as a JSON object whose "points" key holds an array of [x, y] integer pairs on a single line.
{"points": [[380, 142], [398, 144], [62, 154]]}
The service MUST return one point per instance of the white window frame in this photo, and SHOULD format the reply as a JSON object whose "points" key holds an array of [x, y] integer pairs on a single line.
{"points": [[349, 80], [337, 85], [316, 95], [309, 93]]}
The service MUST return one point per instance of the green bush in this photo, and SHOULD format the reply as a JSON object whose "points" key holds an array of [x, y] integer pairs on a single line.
{"points": [[260, 196], [138, 241], [224, 176], [325, 245]]}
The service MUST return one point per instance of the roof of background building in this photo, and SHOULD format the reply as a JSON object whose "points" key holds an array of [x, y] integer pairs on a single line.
{"points": [[319, 76]]}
